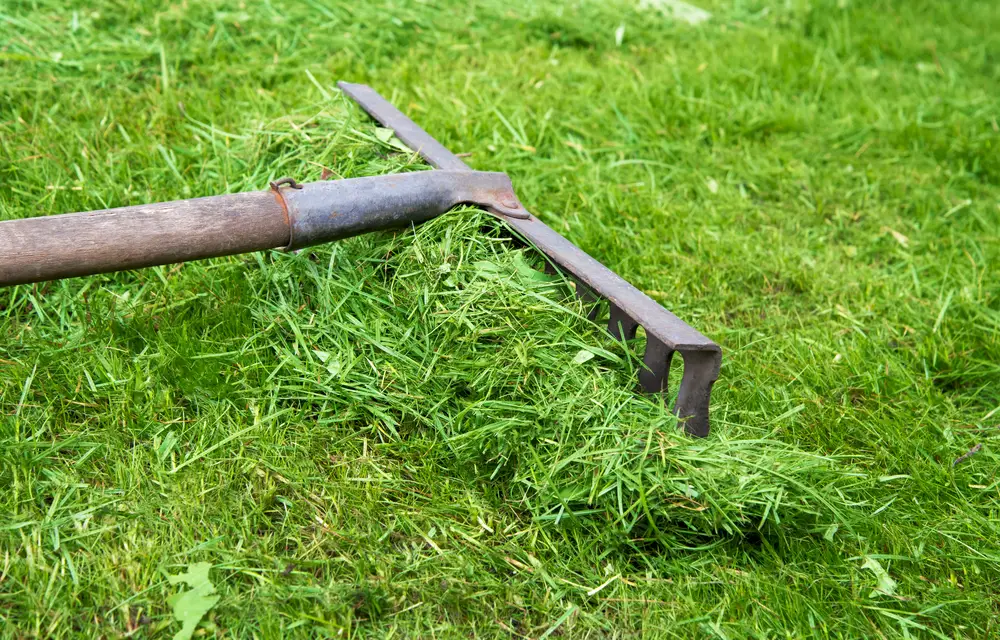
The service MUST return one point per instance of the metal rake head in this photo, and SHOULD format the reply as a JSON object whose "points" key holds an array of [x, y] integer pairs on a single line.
{"points": [[666, 334]]}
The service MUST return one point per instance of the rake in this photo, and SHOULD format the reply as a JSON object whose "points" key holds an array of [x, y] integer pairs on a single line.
{"points": [[292, 216]]}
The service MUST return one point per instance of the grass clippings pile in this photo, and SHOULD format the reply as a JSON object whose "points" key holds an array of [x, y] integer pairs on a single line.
{"points": [[446, 341]]}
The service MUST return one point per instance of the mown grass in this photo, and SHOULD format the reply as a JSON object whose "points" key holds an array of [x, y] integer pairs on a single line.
{"points": [[391, 436]]}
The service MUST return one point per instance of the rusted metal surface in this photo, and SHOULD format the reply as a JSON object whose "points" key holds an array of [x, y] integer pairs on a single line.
{"points": [[666, 334], [290, 215]]}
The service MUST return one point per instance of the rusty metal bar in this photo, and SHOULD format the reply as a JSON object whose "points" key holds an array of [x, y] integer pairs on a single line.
{"points": [[289, 216], [666, 334]]}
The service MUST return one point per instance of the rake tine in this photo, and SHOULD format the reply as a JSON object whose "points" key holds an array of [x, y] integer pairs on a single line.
{"points": [[621, 326]]}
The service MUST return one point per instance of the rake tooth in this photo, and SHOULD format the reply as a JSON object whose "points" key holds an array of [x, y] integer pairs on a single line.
{"points": [[589, 299], [621, 325], [701, 368], [653, 377]]}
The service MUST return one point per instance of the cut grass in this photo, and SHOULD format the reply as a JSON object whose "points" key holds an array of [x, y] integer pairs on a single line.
{"points": [[390, 435]]}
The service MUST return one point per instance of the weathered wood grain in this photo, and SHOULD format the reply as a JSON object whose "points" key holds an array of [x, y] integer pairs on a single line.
{"points": [[77, 244]]}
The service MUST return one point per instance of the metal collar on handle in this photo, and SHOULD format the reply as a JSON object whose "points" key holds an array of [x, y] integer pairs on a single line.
{"points": [[324, 211]]}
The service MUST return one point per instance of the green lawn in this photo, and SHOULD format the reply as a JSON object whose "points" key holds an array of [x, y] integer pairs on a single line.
{"points": [[419, 434]]}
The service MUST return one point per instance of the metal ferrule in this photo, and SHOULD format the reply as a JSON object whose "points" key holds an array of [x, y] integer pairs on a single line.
{"points": [[323, 211]]}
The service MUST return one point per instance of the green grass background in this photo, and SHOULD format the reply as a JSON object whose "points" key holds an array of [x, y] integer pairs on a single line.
{"points": [[390, 436]]}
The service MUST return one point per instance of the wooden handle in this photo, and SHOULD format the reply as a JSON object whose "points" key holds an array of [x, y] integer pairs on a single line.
{"points": [[77, 244]]}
